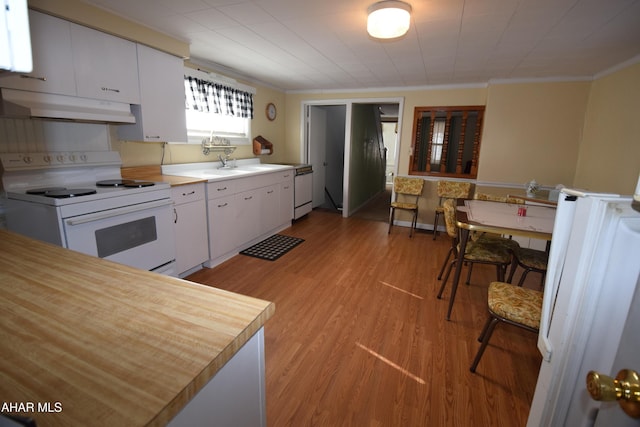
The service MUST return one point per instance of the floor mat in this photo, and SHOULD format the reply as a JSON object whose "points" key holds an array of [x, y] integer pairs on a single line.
{"points": [[272, 247]]}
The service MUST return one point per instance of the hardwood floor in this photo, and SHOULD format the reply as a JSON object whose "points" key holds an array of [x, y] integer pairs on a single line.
{"points": [[359, 338]]}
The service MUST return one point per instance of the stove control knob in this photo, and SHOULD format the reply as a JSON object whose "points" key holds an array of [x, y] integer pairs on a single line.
{"points": [[46, 159], [27, 159], [83, 157], [60, 158], [72, 158]]}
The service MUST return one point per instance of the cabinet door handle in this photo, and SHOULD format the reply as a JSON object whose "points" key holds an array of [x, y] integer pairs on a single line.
{"points": [[189, 193], [269, 192], [24, 76], [152, 136], [223, 205], [108, 89], [221, 189], [248, 198], [175, 216]]}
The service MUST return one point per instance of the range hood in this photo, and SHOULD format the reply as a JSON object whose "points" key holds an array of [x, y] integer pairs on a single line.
{"points": [[25, 104]]}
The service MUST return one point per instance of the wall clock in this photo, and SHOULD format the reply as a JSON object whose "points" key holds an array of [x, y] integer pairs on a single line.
{"points": [[271, 111]]}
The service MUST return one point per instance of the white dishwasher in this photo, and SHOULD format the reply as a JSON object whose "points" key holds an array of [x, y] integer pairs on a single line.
{"points": [[303, 190]]}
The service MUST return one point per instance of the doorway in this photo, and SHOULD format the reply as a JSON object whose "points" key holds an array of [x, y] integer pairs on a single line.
{"points": [[326, 133], [353, 146]]}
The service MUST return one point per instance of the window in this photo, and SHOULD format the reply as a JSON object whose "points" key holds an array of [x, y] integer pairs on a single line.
{"points": [[446, 141], [217, 109], [437, 142]]}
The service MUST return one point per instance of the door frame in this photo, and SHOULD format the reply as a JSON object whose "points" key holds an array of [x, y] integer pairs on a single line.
{"points": [[348, 102]]}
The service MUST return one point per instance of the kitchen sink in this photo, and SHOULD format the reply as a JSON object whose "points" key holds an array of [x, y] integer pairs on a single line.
{"points": [[209, 173], [261, 167], [225, 171], [205, 171]]}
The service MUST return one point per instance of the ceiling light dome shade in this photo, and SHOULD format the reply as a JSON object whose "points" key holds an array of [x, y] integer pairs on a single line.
{"points": [[388, 19]]}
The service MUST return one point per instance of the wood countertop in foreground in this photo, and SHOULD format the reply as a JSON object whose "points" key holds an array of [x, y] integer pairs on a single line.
{"points": [[108, 345]]}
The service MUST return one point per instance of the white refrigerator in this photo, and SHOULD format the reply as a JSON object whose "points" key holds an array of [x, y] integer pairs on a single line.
{"points": [[591, 292]]}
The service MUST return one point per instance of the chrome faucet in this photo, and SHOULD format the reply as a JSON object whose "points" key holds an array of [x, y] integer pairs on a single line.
{"points": [[223, 160]]}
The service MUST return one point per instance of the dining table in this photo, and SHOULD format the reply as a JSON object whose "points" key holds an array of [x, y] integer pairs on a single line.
{"points": [[506, 219]]}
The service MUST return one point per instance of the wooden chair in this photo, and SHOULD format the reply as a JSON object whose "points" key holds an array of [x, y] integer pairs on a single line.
{"points": [[449, 190], [479, 251], [510, 304], [406, 188]]}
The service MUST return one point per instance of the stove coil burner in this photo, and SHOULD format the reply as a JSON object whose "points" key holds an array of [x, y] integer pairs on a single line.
{"points": [[45, 190], [139, 184], [127, 183], [114, 182], [71, 192]]}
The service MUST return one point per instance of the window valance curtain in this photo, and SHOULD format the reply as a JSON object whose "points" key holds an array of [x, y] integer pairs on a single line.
{"points": [[217, 98]]}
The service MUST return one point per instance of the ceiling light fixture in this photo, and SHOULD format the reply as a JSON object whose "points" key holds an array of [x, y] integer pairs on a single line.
{"points": [[388, 19]]}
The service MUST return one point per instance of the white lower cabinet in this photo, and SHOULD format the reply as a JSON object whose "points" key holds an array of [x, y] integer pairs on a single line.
{"points": [[190, 218], [247, 226], [220, 213], [270, 207], [235, 396], [243, 211]]}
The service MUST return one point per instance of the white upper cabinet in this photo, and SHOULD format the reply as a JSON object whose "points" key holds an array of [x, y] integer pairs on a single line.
{"points": [[52, 58], [161, 113], [106, 66], [73, 60]]}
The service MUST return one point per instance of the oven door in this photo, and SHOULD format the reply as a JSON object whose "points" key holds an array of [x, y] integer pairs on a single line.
{"points": [[139, 236]]}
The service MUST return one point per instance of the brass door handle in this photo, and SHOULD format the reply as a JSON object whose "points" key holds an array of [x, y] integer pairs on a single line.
{"points": [[625, 388]]}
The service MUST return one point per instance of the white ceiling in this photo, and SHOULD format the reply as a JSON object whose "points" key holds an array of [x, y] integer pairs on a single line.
{"points": [[323, 45]]}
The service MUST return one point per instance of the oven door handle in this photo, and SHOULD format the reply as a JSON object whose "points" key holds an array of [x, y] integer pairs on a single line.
{"points": [[116, 212]]}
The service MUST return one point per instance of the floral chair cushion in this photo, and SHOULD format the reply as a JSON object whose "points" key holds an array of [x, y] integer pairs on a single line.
{"points": [[454, 189], [482, 250], [496, 198], [405, 185], [487, 252], [532, 258], [404, 205], [515, 303], [449, 207], [495, 239]]}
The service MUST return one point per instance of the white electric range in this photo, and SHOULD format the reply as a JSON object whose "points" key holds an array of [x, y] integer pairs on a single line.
{"points": [[79, 200]]}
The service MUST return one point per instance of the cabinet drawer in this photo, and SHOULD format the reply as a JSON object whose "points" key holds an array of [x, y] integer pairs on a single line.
{"points": [[286, 175], [187, 193], [218, 189], [250, 183]]}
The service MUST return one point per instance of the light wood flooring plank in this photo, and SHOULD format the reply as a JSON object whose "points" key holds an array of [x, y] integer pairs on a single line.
{"points": [[360, 339]]}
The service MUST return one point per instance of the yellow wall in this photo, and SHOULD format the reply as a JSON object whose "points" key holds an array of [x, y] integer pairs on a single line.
{"points": [[532, 131], [609, 158]]}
